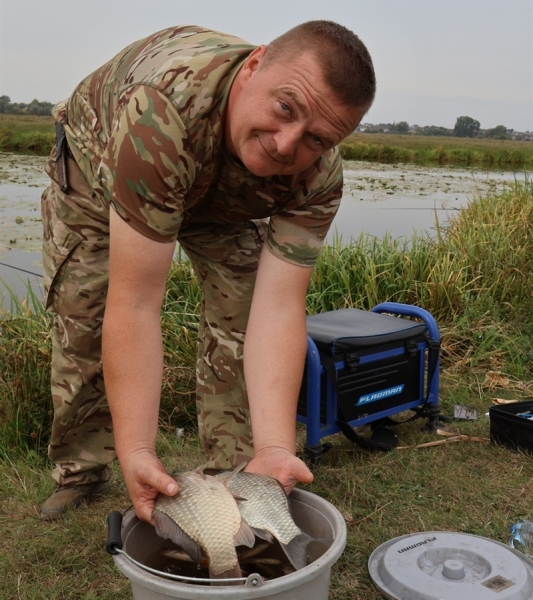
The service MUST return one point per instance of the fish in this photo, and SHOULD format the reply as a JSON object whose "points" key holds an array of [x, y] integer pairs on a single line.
{"points": [[245, 556], [264, 505], [204, 518]]}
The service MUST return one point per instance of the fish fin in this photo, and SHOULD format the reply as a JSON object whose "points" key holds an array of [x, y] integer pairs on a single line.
{"points": [[236, 470], [263, 534], [245, 536], [230, 574], [200, 470], [227, 476], [166, 528], [296, 550]]}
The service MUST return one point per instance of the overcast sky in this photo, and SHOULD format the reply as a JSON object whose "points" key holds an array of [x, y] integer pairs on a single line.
{"points": [[435, 60]]}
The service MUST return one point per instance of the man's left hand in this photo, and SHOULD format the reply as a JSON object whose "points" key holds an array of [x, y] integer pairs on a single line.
{"points": [[281, 464]]}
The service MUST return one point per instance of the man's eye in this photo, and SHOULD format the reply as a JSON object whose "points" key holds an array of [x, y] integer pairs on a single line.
{"points": [[285, 107], [316, 140]]}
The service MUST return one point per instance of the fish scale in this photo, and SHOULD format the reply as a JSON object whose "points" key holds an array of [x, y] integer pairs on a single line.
{"points": [[206, 511], [265, 507], [269, 510]]}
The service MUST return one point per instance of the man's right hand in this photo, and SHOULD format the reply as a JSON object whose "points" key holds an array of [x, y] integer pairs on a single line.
{"points": [[145, 479]]}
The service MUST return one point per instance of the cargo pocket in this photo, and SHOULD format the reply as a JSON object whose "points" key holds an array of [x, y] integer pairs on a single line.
{"points": [[59, 242]]}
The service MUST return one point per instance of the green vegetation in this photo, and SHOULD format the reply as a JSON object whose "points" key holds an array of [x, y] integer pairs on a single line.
{"points": [[466, 127], [476, 278], [35, 107], [35, 135], [427, 150], [28, 134]]}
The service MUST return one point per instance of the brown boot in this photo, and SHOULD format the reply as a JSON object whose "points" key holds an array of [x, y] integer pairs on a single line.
{"points": [[67, 498]]}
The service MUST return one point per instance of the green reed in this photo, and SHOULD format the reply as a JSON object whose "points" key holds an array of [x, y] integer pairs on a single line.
{"points": [[25, 398], [27, 142], [475, 278], [490, 157]]}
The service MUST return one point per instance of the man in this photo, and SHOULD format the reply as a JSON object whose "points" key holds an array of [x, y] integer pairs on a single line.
{"points": [[195, 136]]}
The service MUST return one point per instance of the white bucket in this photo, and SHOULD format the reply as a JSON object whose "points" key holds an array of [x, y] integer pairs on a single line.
{"points": [[312, 514]]}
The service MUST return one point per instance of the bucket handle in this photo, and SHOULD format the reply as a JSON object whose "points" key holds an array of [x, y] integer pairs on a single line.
{"points": [[114, 532], [114, 546]]}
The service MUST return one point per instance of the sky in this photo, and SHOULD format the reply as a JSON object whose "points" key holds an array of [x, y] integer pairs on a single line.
{"points": [[435, 60]]}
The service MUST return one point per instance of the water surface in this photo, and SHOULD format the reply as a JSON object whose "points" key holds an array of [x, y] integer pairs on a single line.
{"points": [[396, 199]]}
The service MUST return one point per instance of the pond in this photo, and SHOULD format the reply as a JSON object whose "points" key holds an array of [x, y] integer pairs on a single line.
{"points": [[378, 199]]}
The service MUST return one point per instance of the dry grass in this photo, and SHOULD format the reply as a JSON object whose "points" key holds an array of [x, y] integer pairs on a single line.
{"points": [[466, 486], [477, 277]]}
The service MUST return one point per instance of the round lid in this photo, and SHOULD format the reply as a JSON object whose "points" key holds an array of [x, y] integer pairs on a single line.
{"points": [[443, 565]]}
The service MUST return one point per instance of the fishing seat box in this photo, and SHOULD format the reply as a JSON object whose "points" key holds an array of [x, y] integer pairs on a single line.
{"points": [[510, 430], [362, 366]]}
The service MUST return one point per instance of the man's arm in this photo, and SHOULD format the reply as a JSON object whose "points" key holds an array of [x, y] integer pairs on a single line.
{"points": [[133, 358], [274, 356]]}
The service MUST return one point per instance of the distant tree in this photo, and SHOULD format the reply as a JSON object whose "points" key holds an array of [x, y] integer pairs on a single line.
{"points": [[35, 107], [435, 130], [498, 133], [466, 127], [4, 102], [39, 108], [401, 127]]}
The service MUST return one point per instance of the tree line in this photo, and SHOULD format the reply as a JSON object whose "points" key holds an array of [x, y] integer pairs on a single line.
{"points": [[464, 127], [35, 107]]}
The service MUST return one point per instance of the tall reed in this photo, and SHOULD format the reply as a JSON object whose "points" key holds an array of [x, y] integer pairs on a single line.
{"points": [[475, 277], [439, 154], [25, 397], [27, 142]]}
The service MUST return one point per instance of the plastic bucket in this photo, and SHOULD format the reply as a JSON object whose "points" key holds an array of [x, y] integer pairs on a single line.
{"points": [[312, 514]]}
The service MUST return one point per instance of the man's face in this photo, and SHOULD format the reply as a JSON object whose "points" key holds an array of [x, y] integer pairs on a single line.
{"points": [[282, 115]]}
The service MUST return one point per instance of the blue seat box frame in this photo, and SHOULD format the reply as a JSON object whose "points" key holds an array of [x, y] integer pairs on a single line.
{"points": [[381, 350]]}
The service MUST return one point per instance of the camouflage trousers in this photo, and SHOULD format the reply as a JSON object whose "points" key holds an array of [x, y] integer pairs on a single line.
{"points": [[76, 261]]}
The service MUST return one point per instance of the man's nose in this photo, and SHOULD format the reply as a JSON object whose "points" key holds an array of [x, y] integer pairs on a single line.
{"points": [[287, 139]]}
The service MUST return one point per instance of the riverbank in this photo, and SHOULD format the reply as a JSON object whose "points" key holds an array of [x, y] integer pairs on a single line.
{"points": [[35, 135], [475, 277], [438, 150]]}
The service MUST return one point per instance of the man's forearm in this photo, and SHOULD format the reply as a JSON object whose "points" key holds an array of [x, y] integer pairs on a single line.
{"points": [[133, 367], [274, 351], [274, 359]]}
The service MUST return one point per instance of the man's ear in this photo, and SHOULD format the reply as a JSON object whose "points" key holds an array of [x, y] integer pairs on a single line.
{"points": [[253, 61]]}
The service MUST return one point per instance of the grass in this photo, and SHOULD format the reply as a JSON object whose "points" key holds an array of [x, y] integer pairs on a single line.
{"points": [[26, 134], [390, 148], [35, 135], [476, 278]]}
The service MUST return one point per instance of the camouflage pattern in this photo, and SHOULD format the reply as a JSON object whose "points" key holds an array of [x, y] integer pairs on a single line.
{"points": [[225, 259], [146, 134], [75, 261]]}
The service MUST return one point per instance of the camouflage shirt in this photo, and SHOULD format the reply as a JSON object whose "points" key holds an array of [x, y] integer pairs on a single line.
{"points": [[147, 131]]}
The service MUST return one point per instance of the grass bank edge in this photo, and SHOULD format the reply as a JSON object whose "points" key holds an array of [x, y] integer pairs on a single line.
{"points": [[35, 135], [476, 278]]}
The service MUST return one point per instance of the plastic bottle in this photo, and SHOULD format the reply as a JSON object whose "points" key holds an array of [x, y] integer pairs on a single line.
{"points": [[522, 537]]}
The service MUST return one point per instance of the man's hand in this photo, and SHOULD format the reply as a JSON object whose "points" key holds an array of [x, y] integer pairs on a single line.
{"points": [[281, 464], [145, 478]]}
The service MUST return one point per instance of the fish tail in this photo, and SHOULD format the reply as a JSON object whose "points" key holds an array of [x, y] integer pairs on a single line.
{"points": [[230, 574], [296, 550]]}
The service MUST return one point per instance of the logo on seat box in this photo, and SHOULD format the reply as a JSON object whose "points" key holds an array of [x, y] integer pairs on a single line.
{"points": [[393, 391]]}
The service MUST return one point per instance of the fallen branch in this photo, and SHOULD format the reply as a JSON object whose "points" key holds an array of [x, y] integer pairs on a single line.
{"points": [[450, 438]]}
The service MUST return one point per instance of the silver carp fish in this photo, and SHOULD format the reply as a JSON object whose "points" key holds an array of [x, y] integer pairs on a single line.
{"points": [[265, 507], [204, 516]]}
